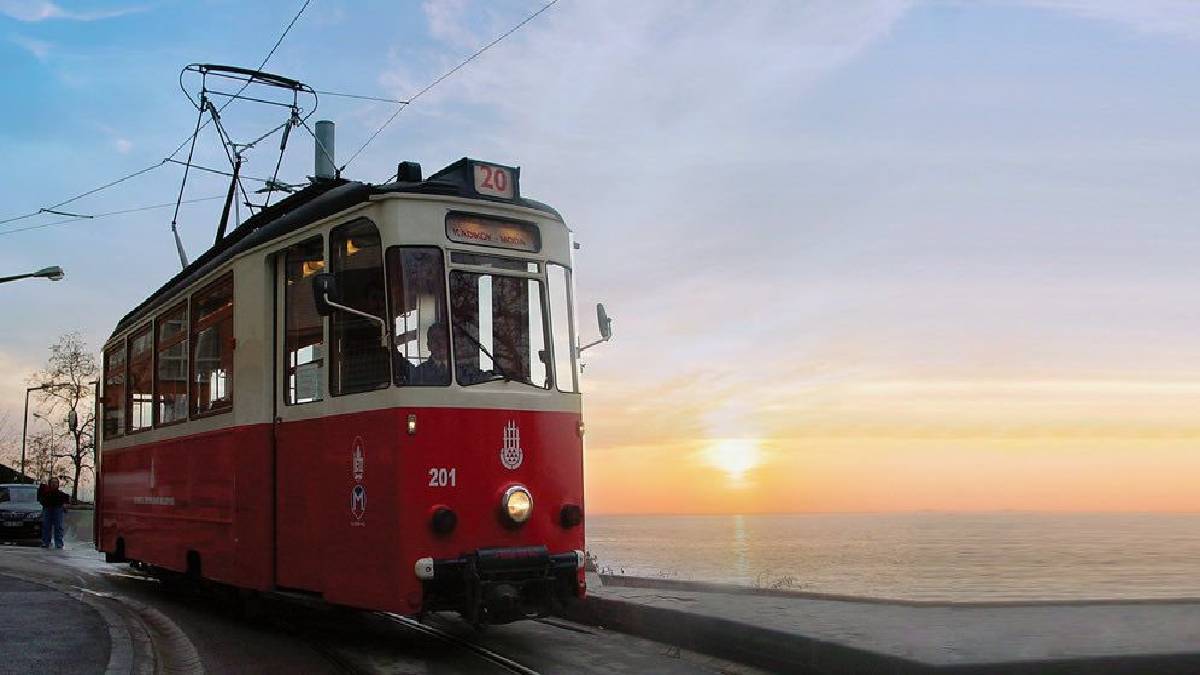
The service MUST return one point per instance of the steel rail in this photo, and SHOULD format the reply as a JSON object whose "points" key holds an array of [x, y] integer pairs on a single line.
{"points": [[479, 650]]}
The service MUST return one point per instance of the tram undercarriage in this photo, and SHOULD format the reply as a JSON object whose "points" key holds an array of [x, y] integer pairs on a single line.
{"points": [[501, 585]]}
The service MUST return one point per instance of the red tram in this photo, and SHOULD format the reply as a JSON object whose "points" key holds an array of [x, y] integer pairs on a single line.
{"points": [[363, 392]]}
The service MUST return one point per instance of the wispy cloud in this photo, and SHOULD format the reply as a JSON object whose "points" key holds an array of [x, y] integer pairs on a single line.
{"points": [[447, 22], [39, 48], [1172, 17], [32, 11]]}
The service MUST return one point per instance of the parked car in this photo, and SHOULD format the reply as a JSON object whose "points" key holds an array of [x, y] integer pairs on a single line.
{"points": [[20, 513]]}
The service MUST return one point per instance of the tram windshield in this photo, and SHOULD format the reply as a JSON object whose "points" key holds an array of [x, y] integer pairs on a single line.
{"points": [[497, 329]]}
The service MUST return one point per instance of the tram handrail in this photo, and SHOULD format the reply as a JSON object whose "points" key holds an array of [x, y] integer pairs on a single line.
{"points": [[383, 337]]}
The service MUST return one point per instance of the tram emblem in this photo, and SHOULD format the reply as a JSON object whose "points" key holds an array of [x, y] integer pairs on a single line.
{"points": [[358, 492], [511, 454], [358, 461], [358, 501]]}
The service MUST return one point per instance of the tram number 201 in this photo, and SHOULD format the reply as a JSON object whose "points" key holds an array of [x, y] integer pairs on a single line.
{"points": [[442, 478]]}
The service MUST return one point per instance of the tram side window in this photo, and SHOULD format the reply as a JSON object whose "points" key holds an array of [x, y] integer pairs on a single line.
{"points": [[139, 413], [304, 369], [114, 391], [358, 362], [416, 281], [171, 386], [561, 328], [212, 347]]}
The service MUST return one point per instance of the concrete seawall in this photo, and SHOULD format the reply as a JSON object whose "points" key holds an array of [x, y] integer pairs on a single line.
{"points": [[807, 633]]}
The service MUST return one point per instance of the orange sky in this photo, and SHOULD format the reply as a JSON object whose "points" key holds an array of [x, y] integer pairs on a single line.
{"points": [[883, 445]]}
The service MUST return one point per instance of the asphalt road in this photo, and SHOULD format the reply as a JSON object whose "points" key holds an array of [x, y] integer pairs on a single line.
{"points": [[289, 636]]}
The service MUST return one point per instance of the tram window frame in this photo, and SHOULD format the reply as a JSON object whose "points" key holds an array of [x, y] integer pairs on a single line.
{"points": [[114, 401], [468, 360], [226, 348], [569, 319], [343, 321], [180, 338], [142, 359], [297, 294], [397, 274]]}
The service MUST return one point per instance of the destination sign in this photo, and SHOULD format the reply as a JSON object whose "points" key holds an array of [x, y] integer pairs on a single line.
{"points": [[468, 229]]}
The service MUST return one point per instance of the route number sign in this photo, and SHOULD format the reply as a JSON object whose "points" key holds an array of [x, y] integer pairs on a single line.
{"points": [[494, 181]]}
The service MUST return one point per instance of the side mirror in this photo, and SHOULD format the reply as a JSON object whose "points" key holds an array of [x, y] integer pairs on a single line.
{"points": [[73, 420], [604, 322], [605, 328], [324, 290]]}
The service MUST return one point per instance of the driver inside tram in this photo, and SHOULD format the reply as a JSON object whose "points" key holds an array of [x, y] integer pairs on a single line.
{"points": [[436, 368]]}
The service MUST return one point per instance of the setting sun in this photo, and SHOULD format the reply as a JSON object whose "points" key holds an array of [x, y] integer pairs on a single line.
{"points": [[734, 456]]}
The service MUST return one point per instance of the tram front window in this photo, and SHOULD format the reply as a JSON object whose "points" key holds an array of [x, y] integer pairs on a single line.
{"points": [[497, 329], [417, 282]]}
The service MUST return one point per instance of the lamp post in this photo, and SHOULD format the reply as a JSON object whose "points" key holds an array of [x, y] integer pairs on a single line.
{"points": [[25, 418], [54, 273]]}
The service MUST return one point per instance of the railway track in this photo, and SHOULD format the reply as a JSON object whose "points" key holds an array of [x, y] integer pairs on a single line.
{"points": [[313, 622], [484, 653]]}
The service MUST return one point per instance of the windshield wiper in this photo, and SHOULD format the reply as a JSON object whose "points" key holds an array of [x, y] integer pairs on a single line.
{"points": [[506, 378], [501, 374]]}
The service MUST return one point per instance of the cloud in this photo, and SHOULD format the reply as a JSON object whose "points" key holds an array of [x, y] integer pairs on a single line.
{"points": [[447, 22], [1173, 17], [32, 11], [40, 49], [123, 145]]}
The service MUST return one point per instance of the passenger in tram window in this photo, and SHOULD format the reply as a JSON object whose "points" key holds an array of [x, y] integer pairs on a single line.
{"points": [[436, 368]]}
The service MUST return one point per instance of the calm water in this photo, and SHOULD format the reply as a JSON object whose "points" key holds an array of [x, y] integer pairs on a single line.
{"points": [[1002, 556]]}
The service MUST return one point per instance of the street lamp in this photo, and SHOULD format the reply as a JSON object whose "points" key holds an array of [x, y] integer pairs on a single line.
{"points": [[25, 419], [54, 273]]}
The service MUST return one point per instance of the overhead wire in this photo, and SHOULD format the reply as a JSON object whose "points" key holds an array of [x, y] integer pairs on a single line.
{"points": [[361, 97], [227, 174], [108, 214], [81, 195], [287, 29], [445, 75]]}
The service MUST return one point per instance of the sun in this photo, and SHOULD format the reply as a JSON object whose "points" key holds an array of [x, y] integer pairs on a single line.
{"points": [[734, 456]]}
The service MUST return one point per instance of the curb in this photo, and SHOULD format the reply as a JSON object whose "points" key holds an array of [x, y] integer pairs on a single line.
{"points": [[774, 651], [142, 639], [780, 651]]}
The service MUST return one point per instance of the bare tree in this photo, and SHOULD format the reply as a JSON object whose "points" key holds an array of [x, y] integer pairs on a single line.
{"points": [[67, 394], [10, 443], [44, 453]]}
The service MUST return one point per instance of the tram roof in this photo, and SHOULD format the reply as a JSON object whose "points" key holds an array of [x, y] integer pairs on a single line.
{"points": [[320, 199]]}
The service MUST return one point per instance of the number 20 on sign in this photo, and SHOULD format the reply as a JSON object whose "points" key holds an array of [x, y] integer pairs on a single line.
{"points": [[494, 181]]}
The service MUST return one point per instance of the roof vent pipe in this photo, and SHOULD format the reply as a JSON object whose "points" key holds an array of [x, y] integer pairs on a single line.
{"points": [[323, 157]]}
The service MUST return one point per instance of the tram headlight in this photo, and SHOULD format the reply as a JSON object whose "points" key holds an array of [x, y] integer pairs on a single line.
{"points": [[517, 504]]}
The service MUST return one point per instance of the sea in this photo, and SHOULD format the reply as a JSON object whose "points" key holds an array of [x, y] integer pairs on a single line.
{"points": [[967, 557]]}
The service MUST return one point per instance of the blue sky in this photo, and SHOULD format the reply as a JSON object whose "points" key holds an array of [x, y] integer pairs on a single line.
{"points": [[822, 194]]}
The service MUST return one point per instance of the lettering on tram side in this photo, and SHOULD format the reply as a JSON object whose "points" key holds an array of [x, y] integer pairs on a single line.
{"points": [[511, 454], [151, 500], [358, 492]]}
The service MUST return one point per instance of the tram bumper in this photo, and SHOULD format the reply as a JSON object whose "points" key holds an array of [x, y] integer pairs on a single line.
{"points": [[500, 585]]}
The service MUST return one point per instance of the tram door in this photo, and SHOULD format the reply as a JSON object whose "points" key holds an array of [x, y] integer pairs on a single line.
{"points": [[300, 350]]}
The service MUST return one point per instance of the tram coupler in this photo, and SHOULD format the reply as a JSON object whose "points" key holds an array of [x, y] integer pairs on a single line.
{"points": [[502, 585]]}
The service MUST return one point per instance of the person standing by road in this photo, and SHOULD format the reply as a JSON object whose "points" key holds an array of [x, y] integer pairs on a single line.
{"points": [[54, 502]]}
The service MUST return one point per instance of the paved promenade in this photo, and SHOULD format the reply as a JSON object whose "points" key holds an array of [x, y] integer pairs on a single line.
{"points": [[43, 630], [799, 633]]}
